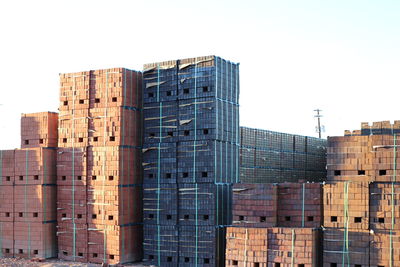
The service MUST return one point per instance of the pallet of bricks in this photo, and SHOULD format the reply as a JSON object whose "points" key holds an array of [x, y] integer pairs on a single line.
{"points": [[273, 157], [190, 159], [99, 172], [28, 191], [360, 199], [262, 235]]}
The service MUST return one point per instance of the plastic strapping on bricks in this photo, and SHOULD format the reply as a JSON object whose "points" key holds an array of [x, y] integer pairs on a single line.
{"points": [[1, 172], [345, 255], [194, 158], [26, 202], [392, 198], [122, 171], [1, 239], [292, 251], [302, 204], [245, 247], [159, 170]]}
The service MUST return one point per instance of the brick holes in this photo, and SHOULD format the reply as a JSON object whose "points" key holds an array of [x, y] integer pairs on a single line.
{"points": [[169, 259], [361, 172], [110, 217], [35, 252], [151, 257], [287, 218], [7, 250], [7, 214], [169, 217], [205, 89], [151, 175], [94, 177], [94, 216], [111, 257], [186, 217], [185, 175], [277, 264], [79, 216], [79, 178], [80, 254], [333, 218], [110, 178], [94, 255], [152, 134], [20, 214], [41, 141], [336, 172], [8, 178], [206, 261], [65, 103], [64, 140], [205, 131], [20, 251], [65, 253], [21, 178], [81, 101], [97, 100], [381, 220], [168, 175], [382, 172], [80, 140], [300, 265], [204, 174], [205, 217], [357, 265], [170, 134], [256, 264], [112, 138], [35, 214], [263, 219], [310, 218], [63, 178], [114, 99], [151, 216], [64, 215], [187, 259], [186, 91], [169, 93], [186, 133], [26, 142], [357, 219], [235, 263], [241, 218], [36, 177], [150, 94], [95, 139]]}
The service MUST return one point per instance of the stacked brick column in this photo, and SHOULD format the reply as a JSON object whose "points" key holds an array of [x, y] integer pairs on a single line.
{"points": [[99, 171]]}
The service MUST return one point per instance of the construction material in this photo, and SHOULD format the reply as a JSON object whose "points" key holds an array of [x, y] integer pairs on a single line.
{"points": [[273, 157], [190, 159], [39, 130]]}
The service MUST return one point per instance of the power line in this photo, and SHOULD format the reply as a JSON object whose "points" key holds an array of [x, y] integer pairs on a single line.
{"points": [[319, 116]]}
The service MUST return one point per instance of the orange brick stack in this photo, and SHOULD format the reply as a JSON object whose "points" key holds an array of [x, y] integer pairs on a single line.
{"points": [[99, 167], [360, 200], [34, 203], [255, 205], [39, 130], [299, 204], [270, 247], [246, 247], [6, 203]]}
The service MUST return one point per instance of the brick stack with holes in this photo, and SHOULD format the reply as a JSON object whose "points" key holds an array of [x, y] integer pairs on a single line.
{"points": [[360, 197], [287, 216], [191, 133], [28, 190], [274, 157], [99, 166]]}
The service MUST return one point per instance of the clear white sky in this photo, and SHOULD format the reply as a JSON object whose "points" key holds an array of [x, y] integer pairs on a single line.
{"points": [[341, 56]]}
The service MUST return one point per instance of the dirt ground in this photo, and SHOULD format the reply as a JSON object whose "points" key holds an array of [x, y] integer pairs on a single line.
{"points": [[14, 262]]}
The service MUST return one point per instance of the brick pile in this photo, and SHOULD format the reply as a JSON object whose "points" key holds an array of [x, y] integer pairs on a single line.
{"points": [[39, 129], [360, 209], [28, 190], [99, 166], [276, 246]]}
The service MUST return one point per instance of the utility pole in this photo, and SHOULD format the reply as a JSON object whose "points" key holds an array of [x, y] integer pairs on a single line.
{"points": [[318, 116]]}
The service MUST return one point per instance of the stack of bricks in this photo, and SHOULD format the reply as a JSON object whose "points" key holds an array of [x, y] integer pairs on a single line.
{"points": [[361, 195], [276, 246], [275, 225], [39, 130], [99, 171], [28, 191], [190, 159], [274, 157]]}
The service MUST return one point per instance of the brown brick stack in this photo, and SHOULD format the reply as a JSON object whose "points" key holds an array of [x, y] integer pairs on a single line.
{"points": [[99, 168], [360, 199], [299, 204], [255, 205], [39, 130], [246, 247], [7, 175], [277, 246]]}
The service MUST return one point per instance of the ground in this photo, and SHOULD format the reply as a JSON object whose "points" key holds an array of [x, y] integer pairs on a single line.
{"points": [[14, 262]]}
